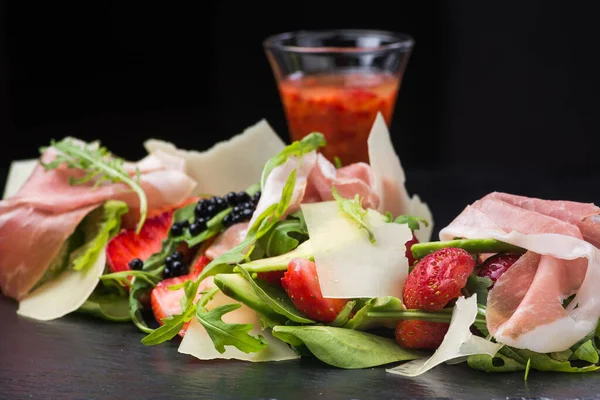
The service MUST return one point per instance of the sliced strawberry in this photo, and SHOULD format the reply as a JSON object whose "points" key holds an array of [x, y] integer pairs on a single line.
{"points": [[301, 283], [166, 302], [126, 245], [437, 279], [131, 219], [420, 334]]}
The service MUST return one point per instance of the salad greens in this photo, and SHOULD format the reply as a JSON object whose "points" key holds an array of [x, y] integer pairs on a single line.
{"points": [[474, 246], [99, 165], [354, 210]]}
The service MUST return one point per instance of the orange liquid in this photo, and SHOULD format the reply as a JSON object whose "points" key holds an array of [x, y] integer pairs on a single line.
{"points": [[342, 107]]}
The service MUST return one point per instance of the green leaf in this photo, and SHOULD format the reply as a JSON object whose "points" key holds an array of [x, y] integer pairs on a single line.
{"points": [[122, 277], [99, 166], [263, 224], [345, 348], [341, 319], [354, 210], [543, 362], [284, 237], [139, 290], [223, 334], [474, 246], [498, 363], [361, 320], [527, 368], [109, 306], [337, 162], [276, 299], [479, 285], [411, 221], [587, 352], [281, 262], [98, 227], [564, 355], [308, 143]]}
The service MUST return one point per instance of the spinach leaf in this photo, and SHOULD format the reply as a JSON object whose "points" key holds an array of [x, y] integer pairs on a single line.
{"points": [[344, 314], [479, 285], [345, 348], [354, 210], [498, 363], [109, 306], [223, 334], [587, 352], [362, 322], [276, 299]]}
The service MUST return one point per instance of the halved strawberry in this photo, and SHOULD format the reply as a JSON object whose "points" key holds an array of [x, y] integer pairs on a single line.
{"points": [[415, 334], [273, 277], [131, 219], [166, 302], [126, 245], [301, 283]]}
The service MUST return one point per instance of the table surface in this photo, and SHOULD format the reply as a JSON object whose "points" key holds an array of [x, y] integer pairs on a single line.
{"points": [[79, 357]]}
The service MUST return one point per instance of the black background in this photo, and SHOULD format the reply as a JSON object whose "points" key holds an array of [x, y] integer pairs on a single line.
{"points": [[488, 83]]}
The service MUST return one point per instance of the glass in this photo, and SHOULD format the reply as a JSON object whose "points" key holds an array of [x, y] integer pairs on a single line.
{"points": [[336, 81]]}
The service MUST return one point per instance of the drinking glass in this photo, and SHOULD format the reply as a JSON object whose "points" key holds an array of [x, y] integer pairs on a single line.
{"points": [[336, 81]]}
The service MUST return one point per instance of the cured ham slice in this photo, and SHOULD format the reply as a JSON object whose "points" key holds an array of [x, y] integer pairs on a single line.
{"points": [[525, 307], [275, 182], [36, 221], [349, 181], [227, 240]]}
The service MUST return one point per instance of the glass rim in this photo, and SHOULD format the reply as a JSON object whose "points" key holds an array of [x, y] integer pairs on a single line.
{"points": [[401, 41]]}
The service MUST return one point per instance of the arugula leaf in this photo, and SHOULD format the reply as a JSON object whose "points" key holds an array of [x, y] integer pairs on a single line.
{"points": [[337, 162], [263, 224], [354, 210], [281, 262], [122, 277], [139, 289], [345, 348], [276, 299], [109, 306], [99, 166], [587, 352], [310, 142], [411, 221], [543, 362], [361, 320], [98, 227], [284, 237], [223, 334], [343, 316]]}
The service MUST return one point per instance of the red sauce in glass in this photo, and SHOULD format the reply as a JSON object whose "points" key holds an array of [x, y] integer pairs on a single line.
{"points": [[342, 107]]}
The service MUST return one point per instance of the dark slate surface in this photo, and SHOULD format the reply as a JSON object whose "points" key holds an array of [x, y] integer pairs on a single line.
{"points": [[78, 357]]}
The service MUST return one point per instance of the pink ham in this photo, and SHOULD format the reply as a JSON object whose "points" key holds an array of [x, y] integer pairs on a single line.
{"points": [[227, 240], [525, 306], [36, 221], [349, 181]]}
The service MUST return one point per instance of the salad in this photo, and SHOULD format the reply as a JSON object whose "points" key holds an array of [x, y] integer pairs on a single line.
{"points": [[260, 251]]}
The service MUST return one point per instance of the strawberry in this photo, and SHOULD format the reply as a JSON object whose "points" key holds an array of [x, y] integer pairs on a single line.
{"points": [[437, 279], [301, 283], [273, 277], [127, 246], [415, 334], [497, 265], [130, 220], [166, 302], [409, 254]]}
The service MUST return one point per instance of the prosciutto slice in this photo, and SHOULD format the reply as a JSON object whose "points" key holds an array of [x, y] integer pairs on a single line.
{"points": [[36, 221], [525, 307]]}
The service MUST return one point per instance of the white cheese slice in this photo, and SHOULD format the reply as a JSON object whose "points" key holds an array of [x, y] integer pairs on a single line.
{"points": [[458, 343], [230, 165], [390, 179], [197, 343], [348, 264], [18, 174], [63, 294]]}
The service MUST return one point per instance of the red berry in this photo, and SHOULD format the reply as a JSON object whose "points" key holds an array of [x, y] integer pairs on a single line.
{"points": [[127, 246], [437, 279], [425, 335], [497, 265], [301, 283], [409, 254]]}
